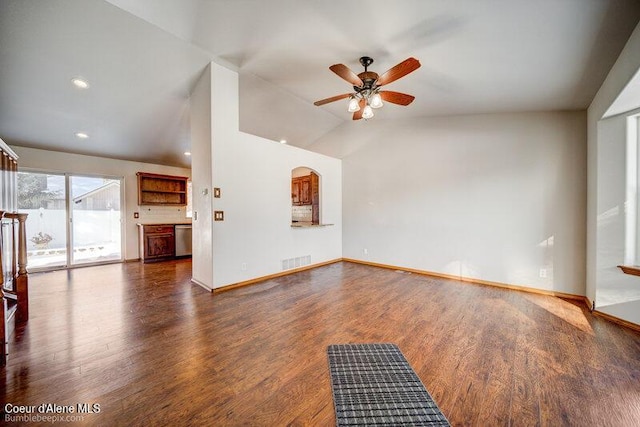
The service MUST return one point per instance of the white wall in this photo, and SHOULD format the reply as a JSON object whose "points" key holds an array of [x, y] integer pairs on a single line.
{"points": [[254, 176], [606, 186], [497, 197], [263, 106], [53, 161], [200, 107]]}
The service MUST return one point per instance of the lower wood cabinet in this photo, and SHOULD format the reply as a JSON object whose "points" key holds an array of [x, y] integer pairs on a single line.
{"points": [[157, 242]]}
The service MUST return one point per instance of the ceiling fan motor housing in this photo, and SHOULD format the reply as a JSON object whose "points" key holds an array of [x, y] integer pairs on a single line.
{"points": [[368, 77]]}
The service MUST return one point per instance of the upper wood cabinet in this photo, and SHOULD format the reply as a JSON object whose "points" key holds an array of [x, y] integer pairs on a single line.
{"points": [[156, 189], [301, 190], [295, 191], [304, 189]]}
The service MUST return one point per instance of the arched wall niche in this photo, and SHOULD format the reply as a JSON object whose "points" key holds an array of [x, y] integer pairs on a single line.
{"points": [[305, 196]]}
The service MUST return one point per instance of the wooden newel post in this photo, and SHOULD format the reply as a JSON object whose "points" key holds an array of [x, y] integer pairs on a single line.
{"points": [[22, 244], [22, 280]]}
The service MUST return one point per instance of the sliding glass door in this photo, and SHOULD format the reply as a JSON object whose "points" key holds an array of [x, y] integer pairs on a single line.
{"points": [[43, 196], [95, 219], [72, 219]]}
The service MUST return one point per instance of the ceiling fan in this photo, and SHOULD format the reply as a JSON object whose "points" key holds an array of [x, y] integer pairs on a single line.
{"points": [[367, 86]]}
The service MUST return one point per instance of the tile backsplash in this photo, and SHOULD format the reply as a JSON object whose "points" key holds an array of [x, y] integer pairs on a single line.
{"points": [[301, 213], [163, 213]]}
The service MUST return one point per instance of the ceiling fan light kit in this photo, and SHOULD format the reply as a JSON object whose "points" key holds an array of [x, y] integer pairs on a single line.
{"points": [[353, 105], [366, 85], [367, 113], [375, 100]]}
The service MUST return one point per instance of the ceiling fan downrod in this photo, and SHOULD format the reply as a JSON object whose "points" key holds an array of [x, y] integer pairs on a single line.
{"points": [[368, 77]]}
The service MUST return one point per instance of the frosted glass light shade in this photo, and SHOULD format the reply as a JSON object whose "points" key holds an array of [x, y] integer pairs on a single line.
{"points": [[353, 105], [375, 101], [367, 113]]}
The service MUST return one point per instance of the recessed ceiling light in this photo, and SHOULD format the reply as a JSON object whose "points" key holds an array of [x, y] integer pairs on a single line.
{"points": [[80, 83], [283, 141], [187, 153], [81, 135]]}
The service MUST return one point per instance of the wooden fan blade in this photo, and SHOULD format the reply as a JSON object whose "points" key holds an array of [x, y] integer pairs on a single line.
{"points": [[402, 69], [358, 114], [396, 97], [345, 72], [332, 99]]}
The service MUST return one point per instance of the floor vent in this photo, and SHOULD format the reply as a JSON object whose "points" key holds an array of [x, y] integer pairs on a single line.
{"points": [[301, 261]]}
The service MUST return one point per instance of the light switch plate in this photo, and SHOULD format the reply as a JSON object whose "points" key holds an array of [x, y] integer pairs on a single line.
{"points": [[216, 192], [218, 215]]}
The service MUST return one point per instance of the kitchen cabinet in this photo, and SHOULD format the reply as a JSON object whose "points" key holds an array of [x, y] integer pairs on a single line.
{"points": [[157, 242], [304, 189], [295, 192], [156, 189], [315, 198]]}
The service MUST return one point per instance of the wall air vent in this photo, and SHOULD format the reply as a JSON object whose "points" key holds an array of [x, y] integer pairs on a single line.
{"points": [[301, 261]]}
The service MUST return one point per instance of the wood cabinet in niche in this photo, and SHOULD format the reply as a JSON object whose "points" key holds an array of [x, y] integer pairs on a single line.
{"points": [[305, 190], [302, 189], [305, 197], [157, 242], [315, 198], [295, 191], [156, 189]]}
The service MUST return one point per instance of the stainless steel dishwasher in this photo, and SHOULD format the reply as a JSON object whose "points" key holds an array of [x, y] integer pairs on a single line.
{"points": [[183, 240]]}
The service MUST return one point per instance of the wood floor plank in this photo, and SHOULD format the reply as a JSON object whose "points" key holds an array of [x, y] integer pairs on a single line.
{"points": [[153, 349]]}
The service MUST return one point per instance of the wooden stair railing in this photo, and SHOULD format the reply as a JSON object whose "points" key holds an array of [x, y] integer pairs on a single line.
{"points": [[14, 279]]}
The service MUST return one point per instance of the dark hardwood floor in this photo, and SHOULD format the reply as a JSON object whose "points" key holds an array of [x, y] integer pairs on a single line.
{"points": [[152, 349]]}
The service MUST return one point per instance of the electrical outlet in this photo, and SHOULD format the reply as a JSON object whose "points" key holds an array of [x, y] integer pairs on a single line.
{"points": [[243, 267], [365, 251], [543, 273]]}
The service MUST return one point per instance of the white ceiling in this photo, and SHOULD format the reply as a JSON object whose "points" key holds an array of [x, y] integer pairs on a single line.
{"points": [[141, 58]]}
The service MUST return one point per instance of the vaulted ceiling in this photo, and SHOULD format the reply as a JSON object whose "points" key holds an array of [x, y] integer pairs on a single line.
{"points": [[142, 57]]}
